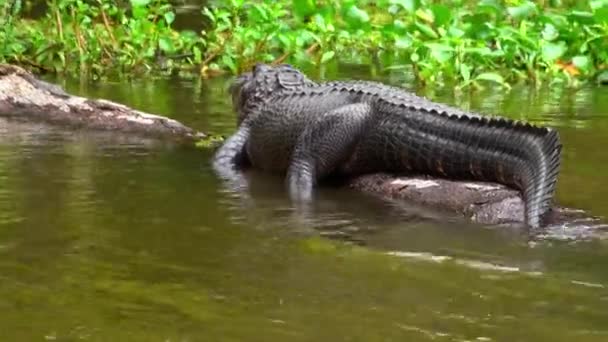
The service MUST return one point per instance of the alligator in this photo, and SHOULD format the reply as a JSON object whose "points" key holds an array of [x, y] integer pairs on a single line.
{"points": [[308, 131]]}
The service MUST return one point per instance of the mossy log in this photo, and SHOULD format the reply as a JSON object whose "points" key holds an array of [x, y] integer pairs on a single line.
{"points": [[25, 97]]}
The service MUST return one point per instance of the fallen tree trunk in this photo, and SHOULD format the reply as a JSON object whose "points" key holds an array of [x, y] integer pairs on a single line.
{"points": [[24, 97]]}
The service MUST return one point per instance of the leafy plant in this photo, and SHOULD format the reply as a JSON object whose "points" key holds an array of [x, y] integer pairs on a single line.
{"points": [[466, 41]]}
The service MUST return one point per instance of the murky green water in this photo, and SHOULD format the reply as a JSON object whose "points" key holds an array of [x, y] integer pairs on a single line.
{"points": [[112, 238]]}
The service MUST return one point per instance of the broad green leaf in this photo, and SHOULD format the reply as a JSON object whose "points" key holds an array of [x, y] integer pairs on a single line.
{"points": [[596, 4], [602, 78], [403, 42], [553, 51], [455, 32], [198, 55], [149, 52], [425, 15], [328, 55], [581, 17], [442, 14], [229, 62], [140, 3], [356, 16], [209, 14], [600, 15], [426, 29], [465, 72], [581, 62], [393, 9], [258, 13], [440, 52], [169, 17], [303, 8], [408, 5], [522, 11], [550, 32], [399, 24], [285, 41], [139, 12], [166, 44]]}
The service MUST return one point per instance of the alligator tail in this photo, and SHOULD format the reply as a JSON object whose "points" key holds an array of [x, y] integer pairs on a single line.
{"points": [[517, 154], [512, 153], [539, 178]]}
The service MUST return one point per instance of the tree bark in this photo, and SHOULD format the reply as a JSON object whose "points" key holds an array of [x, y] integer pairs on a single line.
{"points": [[24, 97]]}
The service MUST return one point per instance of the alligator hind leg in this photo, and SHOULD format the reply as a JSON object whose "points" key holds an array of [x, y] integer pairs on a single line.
{"points": [[325, 143]]}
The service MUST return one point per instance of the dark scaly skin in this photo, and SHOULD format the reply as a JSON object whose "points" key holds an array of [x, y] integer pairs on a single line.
{"points": [[289, 124]]}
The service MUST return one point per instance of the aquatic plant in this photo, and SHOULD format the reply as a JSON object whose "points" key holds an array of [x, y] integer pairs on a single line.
{"points": [[98, 37], [438, 41]]}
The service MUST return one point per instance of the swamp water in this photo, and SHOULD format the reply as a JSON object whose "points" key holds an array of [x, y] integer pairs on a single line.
{"points": [[107, 237]]}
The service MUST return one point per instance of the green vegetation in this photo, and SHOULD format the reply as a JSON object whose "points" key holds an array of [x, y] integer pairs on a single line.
{"points": [[438, 41]]}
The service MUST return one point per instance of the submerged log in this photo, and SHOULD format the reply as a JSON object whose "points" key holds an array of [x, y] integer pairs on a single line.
{"points": [[480, 202], [25, 97]]}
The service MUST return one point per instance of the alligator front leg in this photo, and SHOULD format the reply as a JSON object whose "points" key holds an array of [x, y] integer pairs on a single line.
{"points": [[323, 145], [231, 158]]}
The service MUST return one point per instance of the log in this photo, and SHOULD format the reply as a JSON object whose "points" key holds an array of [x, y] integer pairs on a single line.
{"points": [[480, 202], [25, 97]]}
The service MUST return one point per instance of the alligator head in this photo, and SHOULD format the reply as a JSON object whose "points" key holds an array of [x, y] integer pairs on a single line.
{"points": [[254, 87]]}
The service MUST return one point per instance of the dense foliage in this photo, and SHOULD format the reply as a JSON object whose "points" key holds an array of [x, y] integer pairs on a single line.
{"points": [[466, 41]]}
